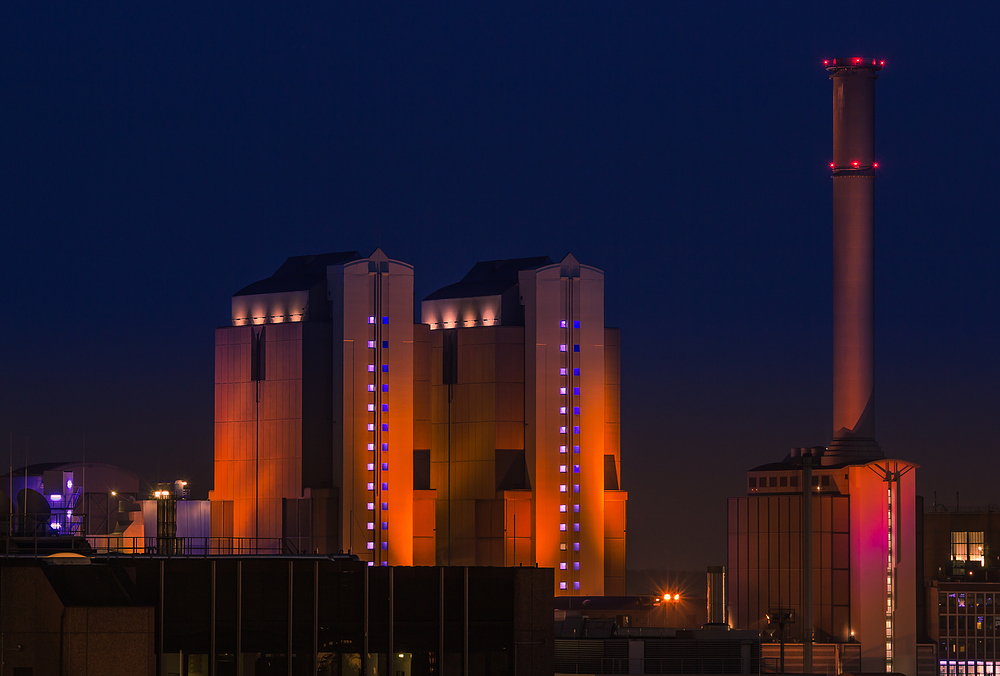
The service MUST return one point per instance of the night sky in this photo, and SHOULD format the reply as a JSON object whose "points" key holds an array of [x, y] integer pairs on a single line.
{"points": [[155, 159]]}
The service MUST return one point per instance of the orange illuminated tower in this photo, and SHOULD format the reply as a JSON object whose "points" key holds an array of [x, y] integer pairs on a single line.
{"points": [[525, 414], [853, 172]]}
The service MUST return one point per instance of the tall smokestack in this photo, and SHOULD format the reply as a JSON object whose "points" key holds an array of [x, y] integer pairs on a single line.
{"points": [[853, 171]]}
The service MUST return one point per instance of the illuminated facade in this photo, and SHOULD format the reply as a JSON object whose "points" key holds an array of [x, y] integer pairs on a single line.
{"points": [[525, 415], [486, 435], [314, 410]]}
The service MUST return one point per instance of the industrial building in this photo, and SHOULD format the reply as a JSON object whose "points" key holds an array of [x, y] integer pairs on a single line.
{"points": [[487, 434], [824, 542]]}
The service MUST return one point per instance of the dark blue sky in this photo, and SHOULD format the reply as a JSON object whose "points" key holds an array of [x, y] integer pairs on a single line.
{"points": [[156, 159]]}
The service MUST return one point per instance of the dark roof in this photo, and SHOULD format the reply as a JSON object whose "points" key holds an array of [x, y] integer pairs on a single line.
{"points": [[299, 273], [91, 585], [490, 278]]}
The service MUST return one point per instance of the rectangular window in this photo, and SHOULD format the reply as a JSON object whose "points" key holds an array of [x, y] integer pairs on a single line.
{"points": [[576, 429], [576, 546], [371, 486], [576, 372], [576, 391], [385, 408], [794, 481], [562, 347], [562, 585], [385, 525], [576, 527], [385, 506], [576, 410], [385, 387], [371, 427], [783, 481], [371, 447], [385, 447], [385, 320], [576, 468], [576, 509], [385, 427], [371, 545], [385, 546], [562, 390], [576, 324], [576, 348], [753, 482], [562, 566], [385, 344], [371, 388], [562, 429], [371, 368], [576, 585], [576, 449], [576, 488], [562, 371], [576, 565], [385, 467], [562, 546], [385, 368], [371, 506], [562, 323], [371, 467], [371, 320], [562, 469], [562, 449], [562, 508], [385, 486], [967, 546], [371, 407], [562, 527], [371, 344], [562, 410], [562, 488]]}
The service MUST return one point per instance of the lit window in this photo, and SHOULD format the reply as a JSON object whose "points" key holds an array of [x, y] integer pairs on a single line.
{"points": [[385, 408], [371, 407], [371, 447], [562, 323], [371, 467], [385, 467], [562, 527], [576, 390], [576, 348], [576, 448], [576, 527], [385, 447], [562, 508], [562, 429], [576, 372], [562, 410], [371, 545], [371, 427], [562, 566], [385, 368], [562, 585], [385, 344], [562, 468], [576, 565], [385, 427], [385, 387], [562, 371], [371, 368], [385, 546], [385, 486], [562, 546], [576, 488], [385, 506], [576, 468], [385, 525], [371, 525], [562, 390], [576, 410], [562, 488], [385, 320], [576, 546], [371, 344], [562, 347], [371, 388], [371, 486], [576, 324], [371, 506], [576, 508], [371, 320], [576, 585], [562, 449], [576, 429]]}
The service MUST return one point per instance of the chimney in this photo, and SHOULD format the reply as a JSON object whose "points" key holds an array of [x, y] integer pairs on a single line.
{"points": [[853, 171]]}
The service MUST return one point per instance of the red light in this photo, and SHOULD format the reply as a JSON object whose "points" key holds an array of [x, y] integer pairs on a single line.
{"points": [[875, 165], [873, 62], [855, 163], [826, 62], [882, 63], [831, 165]]}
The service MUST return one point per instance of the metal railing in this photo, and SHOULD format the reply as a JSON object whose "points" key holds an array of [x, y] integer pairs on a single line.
{"points": [[37, 544]]}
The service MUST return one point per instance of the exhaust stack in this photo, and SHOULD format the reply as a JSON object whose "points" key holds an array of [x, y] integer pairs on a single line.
{"points": [[853, 171]]}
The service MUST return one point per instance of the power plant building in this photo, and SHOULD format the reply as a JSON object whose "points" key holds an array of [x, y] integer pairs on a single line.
{"points": [[825, 540], [485, 435]]}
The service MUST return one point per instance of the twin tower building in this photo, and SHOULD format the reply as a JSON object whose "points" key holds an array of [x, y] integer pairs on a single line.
{"points": [[487, 434]]}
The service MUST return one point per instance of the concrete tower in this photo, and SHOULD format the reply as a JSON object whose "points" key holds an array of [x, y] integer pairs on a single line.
{"points": [[853, 172]]}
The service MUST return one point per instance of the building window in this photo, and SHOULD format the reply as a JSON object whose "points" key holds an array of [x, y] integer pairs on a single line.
{"points": [[562, 347], [576, 348], [576, 372], [385, 505], [794, 481], [562, 371], [576, 324], [967, 546], [753, 482], [783, 481], [772, 481], [562, 585]]}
